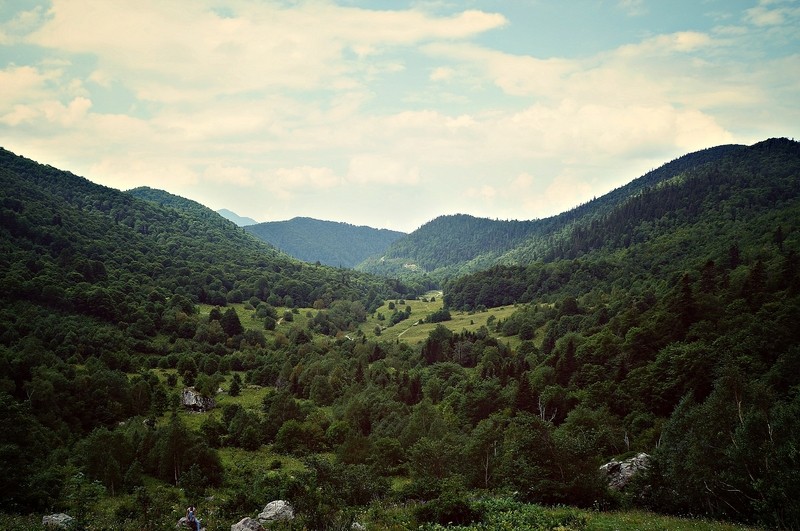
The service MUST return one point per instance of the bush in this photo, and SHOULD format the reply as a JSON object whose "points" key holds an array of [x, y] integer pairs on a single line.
{"points": [[450, 508]]}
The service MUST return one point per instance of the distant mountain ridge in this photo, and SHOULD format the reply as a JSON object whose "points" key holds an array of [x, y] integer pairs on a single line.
{"points": [[241, 221], [328, 242], [450, 246]]}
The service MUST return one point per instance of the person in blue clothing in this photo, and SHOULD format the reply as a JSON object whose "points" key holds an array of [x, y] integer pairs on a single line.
{"points": [[191, 518]]}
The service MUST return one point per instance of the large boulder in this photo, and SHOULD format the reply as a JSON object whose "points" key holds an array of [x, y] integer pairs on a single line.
{"points": [[278, 510], [183, 523], [620, 473], [193, 400], [59, 520], [247, 524]]}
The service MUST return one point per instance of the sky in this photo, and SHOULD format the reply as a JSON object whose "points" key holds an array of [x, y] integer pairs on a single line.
{"points": [[391, 113]]}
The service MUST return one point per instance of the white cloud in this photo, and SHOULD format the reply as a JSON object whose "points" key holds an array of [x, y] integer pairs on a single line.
{"points": [[442, 73], [564, 192], [22, 83], [295, 179], [169, 53], [234, 175], [21, 23], [484, 192], [381, 169], [304, 99], [118, 171], [515, 74], [633, 8], [772, 13], [660, 45]]}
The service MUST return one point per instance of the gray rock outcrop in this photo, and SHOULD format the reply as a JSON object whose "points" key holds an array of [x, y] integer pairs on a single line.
{"points": [[193, 400], [247, 524], [183, 523], [620, 473], [278, 510], [58, 520]]}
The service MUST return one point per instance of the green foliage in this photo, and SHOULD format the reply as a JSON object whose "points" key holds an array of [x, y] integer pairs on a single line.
{"points": [[439, 316], [660, 319], [326, 242], [450, 508]]}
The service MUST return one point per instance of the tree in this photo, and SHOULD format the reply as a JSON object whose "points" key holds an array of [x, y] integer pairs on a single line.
{"points": [[484, 450], [299, 438], [108, 455], [22, 452], [207, 385], [432, 458], [321, 391], [531, 462], [193, 483], [231, 324], [526, 331], [235, 388]]}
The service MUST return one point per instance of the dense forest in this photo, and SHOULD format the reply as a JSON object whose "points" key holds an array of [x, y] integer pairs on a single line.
{"points": [[450, 246], [327, 242], [449, 240], [660, 320]]}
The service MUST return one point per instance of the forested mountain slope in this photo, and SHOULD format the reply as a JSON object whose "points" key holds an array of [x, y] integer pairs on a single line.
{"points": [[718, 210], [450, 246], [450, 241], [327, 242], [669, 328], [96, 283], [65, 235], [673, 319]]}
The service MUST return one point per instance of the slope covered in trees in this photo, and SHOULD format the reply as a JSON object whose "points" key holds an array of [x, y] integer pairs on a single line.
{"points": [[680, 342], [67, 241], [718, 210], [451, 246], [674, 314], [327, 242], [459, 238], [96, 284]]}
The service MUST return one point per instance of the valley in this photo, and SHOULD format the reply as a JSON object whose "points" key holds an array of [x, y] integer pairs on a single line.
{"points": [[483, 389]]}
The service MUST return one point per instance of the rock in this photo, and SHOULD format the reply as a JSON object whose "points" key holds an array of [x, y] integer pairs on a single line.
{"points": [[247, 524], [191, 399], [183, 523], [60, 520], [275, 511], [620, 473]]}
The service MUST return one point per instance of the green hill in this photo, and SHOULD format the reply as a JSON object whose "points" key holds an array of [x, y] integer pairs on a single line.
{"points": [[660, 318], [735, 205], [450, 246], [327, 242]]}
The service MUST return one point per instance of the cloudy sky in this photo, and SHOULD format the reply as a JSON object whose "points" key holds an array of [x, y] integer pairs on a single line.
{"points": [[390, 113]]}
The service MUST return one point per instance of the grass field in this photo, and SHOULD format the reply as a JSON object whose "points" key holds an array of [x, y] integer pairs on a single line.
{"points": [[413, 332], [409, 330]]}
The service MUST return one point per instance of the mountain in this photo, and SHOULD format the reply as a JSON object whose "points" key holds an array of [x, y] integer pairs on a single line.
{"points": [[79, 247], [450, 246], [670, 312], [659, 319], [236, 218], [718, 210], [327, 242]]}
